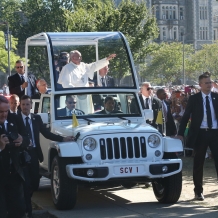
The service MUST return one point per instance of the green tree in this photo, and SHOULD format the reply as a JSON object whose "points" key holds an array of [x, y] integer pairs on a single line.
{"points": [[166, 63], [4, 54], [206, 59]]}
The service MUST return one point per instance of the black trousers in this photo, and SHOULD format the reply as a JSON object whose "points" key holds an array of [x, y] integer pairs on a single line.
{"points": [[34, 170], [12, 204], [31, 174], [205, 139]]}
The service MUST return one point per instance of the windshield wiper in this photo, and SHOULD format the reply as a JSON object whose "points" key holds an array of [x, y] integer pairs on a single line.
{"points": [[89, 121], [122, 118]]}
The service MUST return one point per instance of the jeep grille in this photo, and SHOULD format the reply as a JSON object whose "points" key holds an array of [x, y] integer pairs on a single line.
{"points": [[123, 148]]}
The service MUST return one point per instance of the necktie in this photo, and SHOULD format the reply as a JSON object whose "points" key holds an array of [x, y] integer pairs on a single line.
{"points": [[164, 111], [209, 118], [102, 82], [146, 103], [22, 79], [29, 129]]}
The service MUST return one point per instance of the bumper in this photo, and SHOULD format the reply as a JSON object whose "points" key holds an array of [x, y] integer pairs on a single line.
{"points": [[106, 171]]}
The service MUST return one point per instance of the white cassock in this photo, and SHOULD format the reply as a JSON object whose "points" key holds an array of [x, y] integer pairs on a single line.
{"points": [[73, 75]]}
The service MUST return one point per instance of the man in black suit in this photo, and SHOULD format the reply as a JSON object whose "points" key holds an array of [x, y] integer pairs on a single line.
{"points": [[35, 126], [12, 202], [18, 83], [103, 79], [148, 102], [170, 126], [203, 131], [70, 107], [109, 106]]}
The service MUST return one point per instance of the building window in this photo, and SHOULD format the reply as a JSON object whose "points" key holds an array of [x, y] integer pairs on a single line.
{"points": [[174, 12], [203, 33], [175, 33], [167, 13], [157, 12], [203, 12], [164, 34], [163, 13], [170, 13], [181, 13], [214, 35]]}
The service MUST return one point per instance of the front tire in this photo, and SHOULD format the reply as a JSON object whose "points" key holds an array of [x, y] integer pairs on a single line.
{"points": [[64, 189], [168, 189]]}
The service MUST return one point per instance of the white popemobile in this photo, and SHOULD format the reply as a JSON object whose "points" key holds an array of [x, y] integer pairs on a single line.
{"points": [[111, 145]]}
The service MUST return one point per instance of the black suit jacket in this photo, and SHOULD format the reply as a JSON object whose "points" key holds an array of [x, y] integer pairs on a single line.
{"points": [[109, 81], [195, 111], [170, 124], [14, 83], [14, 125], [39, 127]]}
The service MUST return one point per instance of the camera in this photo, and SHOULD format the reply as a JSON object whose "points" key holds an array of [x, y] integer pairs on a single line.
{"points": [[11, 137]]}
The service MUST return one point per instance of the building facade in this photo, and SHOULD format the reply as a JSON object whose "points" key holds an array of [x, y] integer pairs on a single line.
{"points": [[194, 21]]}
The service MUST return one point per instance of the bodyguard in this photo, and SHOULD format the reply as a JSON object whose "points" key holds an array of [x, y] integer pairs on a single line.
{"points": [[12, 202], [203, 132]]}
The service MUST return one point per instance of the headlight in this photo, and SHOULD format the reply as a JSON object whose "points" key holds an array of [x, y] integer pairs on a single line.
{"points": [[153, 141], [89, 144]]}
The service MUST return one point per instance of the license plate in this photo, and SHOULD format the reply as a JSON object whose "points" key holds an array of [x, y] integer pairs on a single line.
{"points": [[129, 170]]}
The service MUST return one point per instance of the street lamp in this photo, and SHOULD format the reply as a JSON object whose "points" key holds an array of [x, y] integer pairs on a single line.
{"points": [[183, 58]]}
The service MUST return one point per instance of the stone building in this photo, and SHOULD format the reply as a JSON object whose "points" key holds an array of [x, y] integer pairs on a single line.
{"points": [[195, 20]]}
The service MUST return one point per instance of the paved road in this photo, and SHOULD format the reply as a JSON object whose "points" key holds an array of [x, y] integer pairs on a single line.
{"points": [[117, 202]]}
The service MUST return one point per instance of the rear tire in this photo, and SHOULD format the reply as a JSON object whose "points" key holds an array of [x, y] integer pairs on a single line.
{"points": [[63, 189], [168, 190]]}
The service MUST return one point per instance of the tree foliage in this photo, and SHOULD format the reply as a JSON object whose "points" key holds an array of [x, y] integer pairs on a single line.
{"points": [[206, 59], [4, 53], [166, 63]]}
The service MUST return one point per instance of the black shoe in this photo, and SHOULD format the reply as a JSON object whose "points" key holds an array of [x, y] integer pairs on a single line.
{"points": [[199, 197]]}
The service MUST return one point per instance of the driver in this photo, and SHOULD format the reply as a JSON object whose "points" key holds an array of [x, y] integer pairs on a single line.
{"points": [[70, 107], [109, 106]]}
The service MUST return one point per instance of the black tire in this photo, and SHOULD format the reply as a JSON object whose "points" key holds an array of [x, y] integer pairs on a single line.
{"points": [[168, 190], [128, 185], [63, 189]]}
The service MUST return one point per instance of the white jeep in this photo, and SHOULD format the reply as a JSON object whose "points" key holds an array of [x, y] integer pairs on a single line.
{"points": [[109, 147]]}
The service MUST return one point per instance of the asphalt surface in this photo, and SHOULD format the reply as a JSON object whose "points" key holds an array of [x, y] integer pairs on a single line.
{"points": [[104, 202]]}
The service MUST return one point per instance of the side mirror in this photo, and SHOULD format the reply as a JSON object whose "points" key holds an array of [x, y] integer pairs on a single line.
{"points": [[45, 117], [148, 114]]}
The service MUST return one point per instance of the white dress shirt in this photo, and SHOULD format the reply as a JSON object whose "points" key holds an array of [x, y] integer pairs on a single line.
{"points": [[204, 121], [149, 101]]}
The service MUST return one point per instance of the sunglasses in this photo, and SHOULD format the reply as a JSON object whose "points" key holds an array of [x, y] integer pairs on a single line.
{"points": [[149, 89], [19, 67]]}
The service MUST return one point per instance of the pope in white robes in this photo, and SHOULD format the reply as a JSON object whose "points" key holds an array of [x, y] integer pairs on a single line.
{"points": [[76, 73]]}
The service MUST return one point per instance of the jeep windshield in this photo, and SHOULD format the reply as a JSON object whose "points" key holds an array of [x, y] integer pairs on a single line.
{"points": [[62, 74], [96, 105]]}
